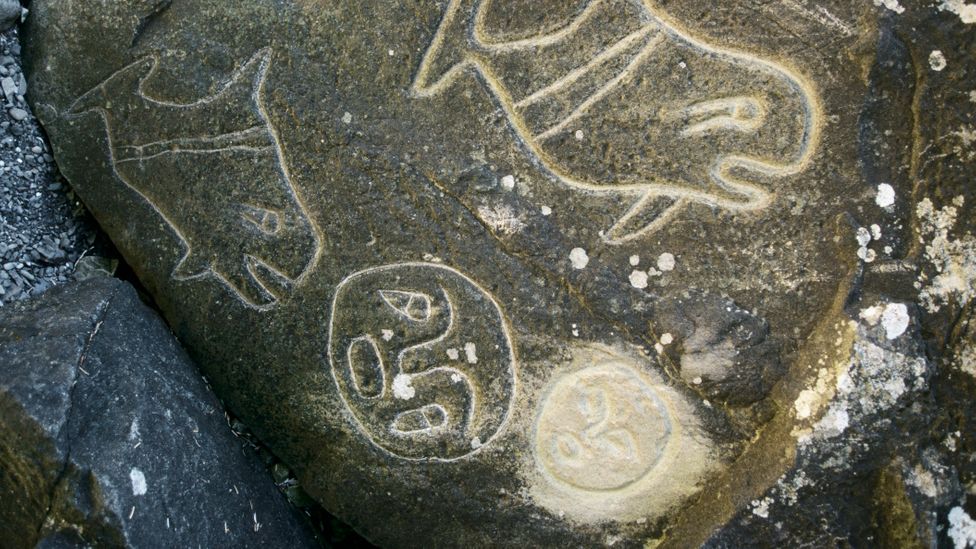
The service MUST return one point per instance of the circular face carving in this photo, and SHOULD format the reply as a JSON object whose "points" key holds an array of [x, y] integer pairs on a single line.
{"points": [[601, 428], [423, 360]]}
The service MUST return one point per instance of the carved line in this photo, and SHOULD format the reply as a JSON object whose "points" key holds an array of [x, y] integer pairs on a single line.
{"points": [[238, 148], [581, 71], [758, 198], [262, 56], [506, 333], [181, 143], [622, 77]]}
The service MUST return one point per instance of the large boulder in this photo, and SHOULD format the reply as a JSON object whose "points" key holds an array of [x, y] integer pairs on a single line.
{"points": [[109, 437], [537, 272]]}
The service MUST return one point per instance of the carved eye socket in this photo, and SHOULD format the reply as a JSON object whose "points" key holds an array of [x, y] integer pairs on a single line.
{"points": [[743, 114], [266, 221], [415, 306]]}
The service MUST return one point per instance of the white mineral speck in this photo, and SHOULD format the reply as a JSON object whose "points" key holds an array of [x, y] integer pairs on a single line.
{"points": [[402, 388], [638, 279], [885, 196], [667, 338], [138, 482], [453, 354], [872, 315], [665, 262], [892, 5], [347, 118], [895, 320], [475, 443], [937, 60], [866, 254], [508, 182], [761, 508], [579, 135], [579, 258], [863, 236], [965, 11], [634, 260], [876, 231], [387, 335], [546, 210], [962, 528], [471, 353]]}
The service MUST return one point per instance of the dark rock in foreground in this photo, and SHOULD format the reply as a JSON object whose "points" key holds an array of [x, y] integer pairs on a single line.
{"points": [[109, 437]]}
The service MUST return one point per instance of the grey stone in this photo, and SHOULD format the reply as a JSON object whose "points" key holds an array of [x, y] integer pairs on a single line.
{"points": [[11, 13], [546, 272], [109, 437]]}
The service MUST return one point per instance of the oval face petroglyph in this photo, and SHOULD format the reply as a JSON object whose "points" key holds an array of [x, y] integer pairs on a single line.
{"points": [[423, 360], [601, 428]]}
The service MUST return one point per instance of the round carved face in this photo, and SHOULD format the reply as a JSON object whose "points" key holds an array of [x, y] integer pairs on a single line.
{"points": [[422, 360], [601, 428]]}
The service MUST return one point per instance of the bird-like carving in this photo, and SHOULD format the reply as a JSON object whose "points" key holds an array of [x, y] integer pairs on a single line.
{"points": [[214, 171], [618, 99]]}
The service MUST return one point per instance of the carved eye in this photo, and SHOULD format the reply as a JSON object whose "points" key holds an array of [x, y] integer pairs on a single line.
{"points": [[593, 405], [266, 221], [414, 306], [744, 114], [567, 447], [366, 367]]}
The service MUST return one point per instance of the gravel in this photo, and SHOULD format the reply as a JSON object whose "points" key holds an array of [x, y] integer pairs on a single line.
{"points": [[44, 229]]}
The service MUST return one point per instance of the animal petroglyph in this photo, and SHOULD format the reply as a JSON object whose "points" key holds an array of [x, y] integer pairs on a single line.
{"points": [[618, 100], [214, 170], [422, 358], [601, 428]]}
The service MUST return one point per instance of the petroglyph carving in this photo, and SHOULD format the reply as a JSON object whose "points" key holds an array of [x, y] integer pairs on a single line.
{"points": [[619, 100], [214, 171], [394, 341], [601, 428]]}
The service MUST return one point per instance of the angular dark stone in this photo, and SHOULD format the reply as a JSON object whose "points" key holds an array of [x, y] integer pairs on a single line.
{"points": [[109, 437]]}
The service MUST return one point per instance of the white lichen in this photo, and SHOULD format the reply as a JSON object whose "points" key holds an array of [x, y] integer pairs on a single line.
{"points": [[138, 478], [638, 279], [895, 319], [885, 196], [892, 5], [579, 259], [962, 528], [954, 260], [666, 262], [402, 388], [965, 10]]}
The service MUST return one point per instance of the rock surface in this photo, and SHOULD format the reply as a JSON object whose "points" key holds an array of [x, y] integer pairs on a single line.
{"points": [[109, 437], [556, 272]]}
